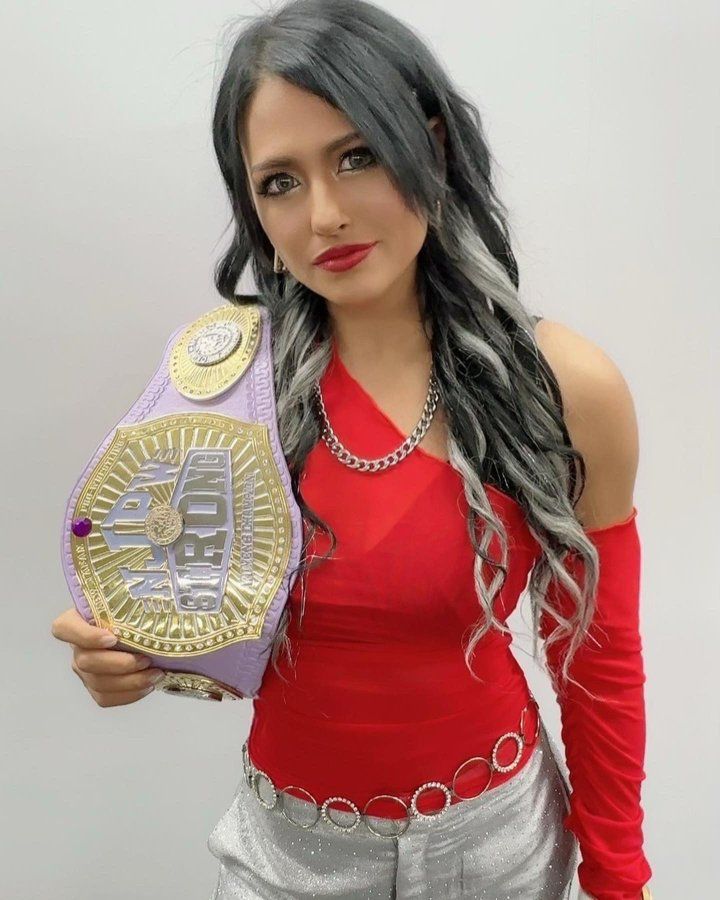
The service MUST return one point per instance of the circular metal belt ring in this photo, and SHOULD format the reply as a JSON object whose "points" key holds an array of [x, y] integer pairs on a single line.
{"points": [[461, 767], [399, 800], [246, 765], [534, 702], [258, 773], [519, 740], [426, 787], [326, 815], [312, 800]]}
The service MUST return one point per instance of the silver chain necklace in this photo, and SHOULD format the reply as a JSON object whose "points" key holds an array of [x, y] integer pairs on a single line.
{"points": [[392, 459]]}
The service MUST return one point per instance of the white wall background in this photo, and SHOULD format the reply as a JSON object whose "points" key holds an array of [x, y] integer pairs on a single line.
{"points": [[604, 117]]}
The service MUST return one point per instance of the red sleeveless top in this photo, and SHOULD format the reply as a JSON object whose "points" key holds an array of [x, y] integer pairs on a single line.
{"points": [[380, 699]]}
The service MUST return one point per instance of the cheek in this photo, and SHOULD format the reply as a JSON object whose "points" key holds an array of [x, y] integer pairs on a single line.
{"points": [[280, 227], [383, 204], [403, 233], [388, 218]]}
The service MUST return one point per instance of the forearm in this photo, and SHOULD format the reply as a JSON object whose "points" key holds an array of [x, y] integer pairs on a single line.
{"points": [[604, 737]]}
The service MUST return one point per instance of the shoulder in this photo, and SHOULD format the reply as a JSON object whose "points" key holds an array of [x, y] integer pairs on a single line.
{"points": [[600, 417]]}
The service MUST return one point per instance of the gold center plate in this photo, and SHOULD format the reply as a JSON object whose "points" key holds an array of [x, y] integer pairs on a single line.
{"points": [[125, 574]]}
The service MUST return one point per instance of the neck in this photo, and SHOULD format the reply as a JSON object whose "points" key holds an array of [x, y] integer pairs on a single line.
{"points": [[384, 332]]}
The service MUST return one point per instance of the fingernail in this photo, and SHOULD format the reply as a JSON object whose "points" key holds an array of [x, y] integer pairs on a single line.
{"points": [[108, 640], [157, 676]]}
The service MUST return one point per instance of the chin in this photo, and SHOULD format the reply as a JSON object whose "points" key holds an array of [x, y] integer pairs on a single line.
{"points": [[346, 289]]}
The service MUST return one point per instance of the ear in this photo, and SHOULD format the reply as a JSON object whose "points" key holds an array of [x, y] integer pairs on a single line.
{"points": [[437, 126]]}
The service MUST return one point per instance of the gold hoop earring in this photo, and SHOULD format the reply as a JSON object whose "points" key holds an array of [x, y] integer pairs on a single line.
{"points": [[278, 264]]}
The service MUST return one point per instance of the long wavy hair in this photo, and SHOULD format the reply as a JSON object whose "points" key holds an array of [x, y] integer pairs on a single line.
{"points": [[502, 401]]}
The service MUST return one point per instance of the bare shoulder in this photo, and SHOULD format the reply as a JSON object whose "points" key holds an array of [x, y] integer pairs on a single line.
{"points": [[600, 416]]}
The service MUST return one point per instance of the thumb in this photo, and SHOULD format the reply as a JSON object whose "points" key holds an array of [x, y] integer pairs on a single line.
{"points": [[90, 634], [105, 637]]}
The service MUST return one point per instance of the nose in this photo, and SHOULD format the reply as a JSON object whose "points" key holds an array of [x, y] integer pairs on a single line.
{"points": [[327, 213]]}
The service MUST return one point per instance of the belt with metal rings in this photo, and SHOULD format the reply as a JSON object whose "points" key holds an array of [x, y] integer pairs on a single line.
{"points": [[253, 775]]}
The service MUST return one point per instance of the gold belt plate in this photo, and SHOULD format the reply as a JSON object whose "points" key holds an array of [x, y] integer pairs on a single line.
{"points": [[191, 533]]}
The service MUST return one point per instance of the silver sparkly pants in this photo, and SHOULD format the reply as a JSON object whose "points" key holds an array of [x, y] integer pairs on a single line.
{"points": [[507, 844]]}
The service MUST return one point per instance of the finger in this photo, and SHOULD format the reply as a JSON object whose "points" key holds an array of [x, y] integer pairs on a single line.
{"points": [[119, 699], [123, 684], [108, 662], [70, 626]]}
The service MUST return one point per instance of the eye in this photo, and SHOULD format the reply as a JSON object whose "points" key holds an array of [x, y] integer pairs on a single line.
{"points": [[354, 151], [359, 151]]}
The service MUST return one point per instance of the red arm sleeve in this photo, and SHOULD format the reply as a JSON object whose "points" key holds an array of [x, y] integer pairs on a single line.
{"points": [[604, 739]]}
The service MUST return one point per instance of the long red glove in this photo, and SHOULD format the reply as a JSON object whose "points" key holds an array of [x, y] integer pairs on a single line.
{"points": [[605, 741]]}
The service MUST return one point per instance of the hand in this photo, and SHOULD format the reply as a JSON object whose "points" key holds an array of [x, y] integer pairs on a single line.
{"points": [[112, 677]]}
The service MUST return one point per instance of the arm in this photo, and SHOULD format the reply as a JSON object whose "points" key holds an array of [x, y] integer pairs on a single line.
{"points": [[604, 739]]}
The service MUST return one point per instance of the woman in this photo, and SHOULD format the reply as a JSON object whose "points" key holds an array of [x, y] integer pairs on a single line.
{"points": [[395, 748]]}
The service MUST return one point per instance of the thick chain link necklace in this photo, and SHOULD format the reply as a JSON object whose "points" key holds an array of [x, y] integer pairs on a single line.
{"points": [[392, 459]]}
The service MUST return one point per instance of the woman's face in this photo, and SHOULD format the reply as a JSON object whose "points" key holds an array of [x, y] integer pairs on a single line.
{"points": [[319, 198]]}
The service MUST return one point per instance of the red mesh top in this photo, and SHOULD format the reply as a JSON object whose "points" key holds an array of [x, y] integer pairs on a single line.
{"points": [[380, 699]]}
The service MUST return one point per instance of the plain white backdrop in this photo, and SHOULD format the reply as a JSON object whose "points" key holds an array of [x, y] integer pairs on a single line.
{"points": [[603, 117]]}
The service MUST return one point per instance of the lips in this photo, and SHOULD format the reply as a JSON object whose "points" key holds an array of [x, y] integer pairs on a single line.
{"points": [[342, 250]]}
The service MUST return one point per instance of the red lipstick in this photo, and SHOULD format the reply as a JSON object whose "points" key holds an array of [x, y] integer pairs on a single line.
{"points": [[344, 256]]}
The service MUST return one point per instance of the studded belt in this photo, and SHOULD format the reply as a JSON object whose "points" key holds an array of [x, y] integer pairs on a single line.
{"points": [[255, 778]]}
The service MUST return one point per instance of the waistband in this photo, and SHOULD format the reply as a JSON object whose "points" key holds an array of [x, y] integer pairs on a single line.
{"points": [[407, 803]]}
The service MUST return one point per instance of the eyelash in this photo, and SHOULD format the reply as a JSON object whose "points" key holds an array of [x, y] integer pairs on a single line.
{"points": [[264, 192]]}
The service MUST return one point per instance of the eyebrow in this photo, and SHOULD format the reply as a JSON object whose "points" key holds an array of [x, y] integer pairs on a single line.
{"points": [[288, 160]]}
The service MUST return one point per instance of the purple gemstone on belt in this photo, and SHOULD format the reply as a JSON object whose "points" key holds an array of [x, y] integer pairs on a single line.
{"points": [[81, 527]]}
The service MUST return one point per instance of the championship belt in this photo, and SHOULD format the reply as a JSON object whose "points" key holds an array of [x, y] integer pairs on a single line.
{"points": [[182, 535]]}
